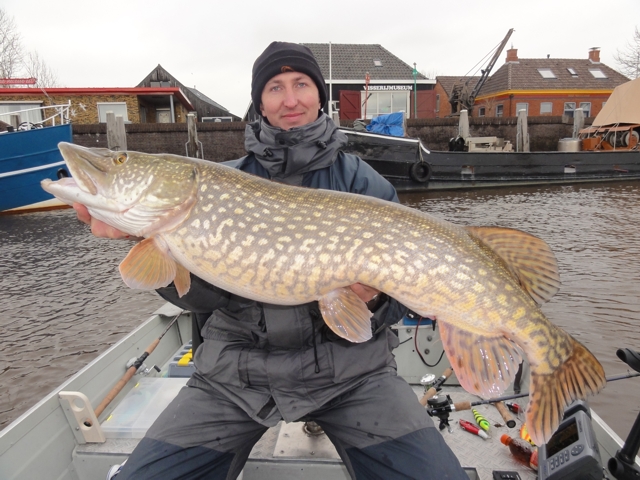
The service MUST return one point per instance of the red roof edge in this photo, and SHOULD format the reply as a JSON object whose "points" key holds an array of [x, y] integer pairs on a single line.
{"points": [[101, 91]]}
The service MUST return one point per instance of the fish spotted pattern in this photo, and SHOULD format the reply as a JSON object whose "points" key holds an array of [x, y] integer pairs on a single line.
{"points": [[289, 245]]}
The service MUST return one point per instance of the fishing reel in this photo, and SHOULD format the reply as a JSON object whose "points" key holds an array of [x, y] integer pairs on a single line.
{"points": [[142, 369], [440, 406]]}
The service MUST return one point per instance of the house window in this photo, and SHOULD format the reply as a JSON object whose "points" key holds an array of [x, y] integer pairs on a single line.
{"points": [[499, 110], [437, 103], [546, 73], [29, 111], [597, 73], [572, 72], [522, 106], [482, 111], [586, 108], [377, 62], [118, 109], [163, 115], [569, 108], [382, 103], [546, 107]]}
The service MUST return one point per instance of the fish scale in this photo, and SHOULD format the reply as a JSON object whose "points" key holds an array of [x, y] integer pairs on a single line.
{"points": [[289, 245]]}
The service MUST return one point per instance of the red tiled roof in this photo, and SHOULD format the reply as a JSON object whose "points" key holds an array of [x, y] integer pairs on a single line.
{"points": [[524, 75]]}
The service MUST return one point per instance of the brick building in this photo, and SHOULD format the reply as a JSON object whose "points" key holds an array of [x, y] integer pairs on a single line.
{"points": [[90, 105], [547, 86]]}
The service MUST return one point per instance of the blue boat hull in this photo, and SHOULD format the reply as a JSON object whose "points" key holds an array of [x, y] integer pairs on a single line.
{"points": [[26, 158]]}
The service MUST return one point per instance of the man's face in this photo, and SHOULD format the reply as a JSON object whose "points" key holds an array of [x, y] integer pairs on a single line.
{"points": [[290, 99]]}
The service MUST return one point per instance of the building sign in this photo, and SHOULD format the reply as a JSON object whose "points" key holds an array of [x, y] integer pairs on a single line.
{"points": [[17, 81], [390, 87]]}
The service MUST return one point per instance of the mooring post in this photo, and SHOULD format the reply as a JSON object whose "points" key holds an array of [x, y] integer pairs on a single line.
{"points": [[578, 122], [522, 135], [116, 135], [463, 124], [192, 135], [193, 146]]}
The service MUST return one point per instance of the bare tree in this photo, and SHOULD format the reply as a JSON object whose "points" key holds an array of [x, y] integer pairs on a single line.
{"points": [[35, 67], [629, 58], [489, 104], [15, 63], [10, 47]]}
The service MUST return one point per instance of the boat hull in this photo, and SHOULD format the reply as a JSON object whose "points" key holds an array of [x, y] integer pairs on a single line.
{"points": [[394, 159], [26, 158]]}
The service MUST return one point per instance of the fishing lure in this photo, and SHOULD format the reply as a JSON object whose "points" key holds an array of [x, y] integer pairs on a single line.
{"points": [[471, 428], [480, 420], [524, 434]]}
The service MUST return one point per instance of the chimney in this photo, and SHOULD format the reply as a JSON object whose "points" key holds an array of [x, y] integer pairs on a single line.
{"points": [[594, 54], [512, 55]]}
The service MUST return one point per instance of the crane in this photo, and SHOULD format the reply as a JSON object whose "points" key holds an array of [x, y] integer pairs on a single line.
{"points": [[462, 95]]}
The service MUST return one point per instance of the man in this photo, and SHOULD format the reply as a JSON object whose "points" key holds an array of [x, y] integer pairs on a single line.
{"points": [[259, 364]]}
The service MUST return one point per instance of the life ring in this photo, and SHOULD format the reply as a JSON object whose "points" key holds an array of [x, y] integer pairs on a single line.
{"points": [[420, 172]]}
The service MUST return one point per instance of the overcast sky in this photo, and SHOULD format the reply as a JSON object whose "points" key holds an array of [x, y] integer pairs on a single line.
{"points": [[212, 44]]}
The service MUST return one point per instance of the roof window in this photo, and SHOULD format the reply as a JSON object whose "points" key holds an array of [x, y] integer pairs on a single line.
{"points": [[546, 73], [597, 73], [572, 72], [377, 62]]}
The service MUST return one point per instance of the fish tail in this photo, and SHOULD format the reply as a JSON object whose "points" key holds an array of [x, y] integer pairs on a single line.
{"points": [[550, 393]]}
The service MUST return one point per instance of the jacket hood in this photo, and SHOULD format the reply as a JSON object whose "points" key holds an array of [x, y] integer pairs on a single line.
{"points": [[289, 153]]}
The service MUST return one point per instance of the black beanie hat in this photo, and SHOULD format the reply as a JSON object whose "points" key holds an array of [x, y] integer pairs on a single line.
{"points": [[283, 54]]}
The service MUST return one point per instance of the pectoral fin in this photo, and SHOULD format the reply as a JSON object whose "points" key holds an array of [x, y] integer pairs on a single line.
{"points": [[182, 280], [149, 266], [347, 315], [485, 363], [528, 258]]}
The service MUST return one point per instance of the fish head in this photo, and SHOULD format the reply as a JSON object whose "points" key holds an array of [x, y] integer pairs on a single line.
{"points": [[137, 193]]}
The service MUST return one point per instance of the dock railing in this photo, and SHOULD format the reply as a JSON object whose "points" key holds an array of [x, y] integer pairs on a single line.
{"points": [[25, 119]]}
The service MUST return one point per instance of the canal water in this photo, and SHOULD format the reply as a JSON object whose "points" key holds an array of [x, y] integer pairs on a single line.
{"points": [[63, 302]]}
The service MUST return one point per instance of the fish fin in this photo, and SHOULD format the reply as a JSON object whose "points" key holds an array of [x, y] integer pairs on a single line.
{"points": [[182, 280], [528, 258], [147, 266], [550, 393], [346, 314], [485, 364]]}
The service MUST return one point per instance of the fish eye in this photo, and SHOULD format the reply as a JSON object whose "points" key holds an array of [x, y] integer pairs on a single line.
{"points": [[121, 158]]}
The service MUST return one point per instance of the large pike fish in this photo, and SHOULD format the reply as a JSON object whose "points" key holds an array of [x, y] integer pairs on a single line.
{"points": [[289, 245]]}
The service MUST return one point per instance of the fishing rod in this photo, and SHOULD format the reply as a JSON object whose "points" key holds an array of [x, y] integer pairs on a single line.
{"points": [[131, 371], [455, 407]]}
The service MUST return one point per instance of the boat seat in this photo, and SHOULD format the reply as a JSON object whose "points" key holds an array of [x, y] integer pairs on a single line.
{"points": [[630, 357]]}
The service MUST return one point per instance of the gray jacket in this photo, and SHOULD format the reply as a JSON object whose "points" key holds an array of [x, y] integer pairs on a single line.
{"points": [[281, 361]]}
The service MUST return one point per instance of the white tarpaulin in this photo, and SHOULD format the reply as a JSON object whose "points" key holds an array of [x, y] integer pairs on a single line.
{"points": [[623, 106]]}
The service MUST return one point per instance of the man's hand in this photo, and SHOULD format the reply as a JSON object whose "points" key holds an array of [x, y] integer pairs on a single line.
{"points": [[365, 292], [98, 228]]}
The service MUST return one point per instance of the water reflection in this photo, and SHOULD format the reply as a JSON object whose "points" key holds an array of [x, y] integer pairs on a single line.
{"points": [[62, 302]]}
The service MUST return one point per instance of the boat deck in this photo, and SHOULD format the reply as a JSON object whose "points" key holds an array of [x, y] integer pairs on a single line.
{"points": [[287, 451], [46, 443]]}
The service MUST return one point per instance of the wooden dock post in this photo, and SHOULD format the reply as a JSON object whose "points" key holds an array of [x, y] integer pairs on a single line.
{"points": [[578, 122], [193, 146], [116, 135], [522, 135]]}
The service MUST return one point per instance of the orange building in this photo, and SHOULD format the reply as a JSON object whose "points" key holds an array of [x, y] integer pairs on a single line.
{"points": [[547, 86]]}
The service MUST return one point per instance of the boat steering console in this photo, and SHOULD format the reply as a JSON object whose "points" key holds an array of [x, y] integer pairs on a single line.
{"points": [[623, 466]]}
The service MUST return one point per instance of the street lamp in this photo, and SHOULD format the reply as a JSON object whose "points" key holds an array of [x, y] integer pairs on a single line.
{"points": [[415, 91]]}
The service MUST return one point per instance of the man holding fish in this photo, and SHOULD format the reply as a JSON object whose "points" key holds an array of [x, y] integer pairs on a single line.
{"points": [[260, 363]]}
